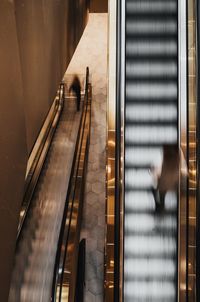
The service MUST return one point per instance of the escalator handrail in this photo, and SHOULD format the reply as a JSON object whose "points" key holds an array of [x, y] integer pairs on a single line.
{"points": [[63, 227], [58, 275], [37, 163]]}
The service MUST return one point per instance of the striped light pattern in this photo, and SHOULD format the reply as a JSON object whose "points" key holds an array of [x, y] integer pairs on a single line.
{"points": [[157, 113], [142, 69], [151, 48], [150, 243], [151, 7], [151, 27]]}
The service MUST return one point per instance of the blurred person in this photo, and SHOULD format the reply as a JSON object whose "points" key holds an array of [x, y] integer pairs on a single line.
{"points": [[75, 87], [166, 179]]}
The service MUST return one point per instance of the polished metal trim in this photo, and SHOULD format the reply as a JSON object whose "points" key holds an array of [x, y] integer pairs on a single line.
{"points": [[109, 263], [182, 82], [192, 151], [122, 140], [38, 154], [57, 103], [198, 152]]}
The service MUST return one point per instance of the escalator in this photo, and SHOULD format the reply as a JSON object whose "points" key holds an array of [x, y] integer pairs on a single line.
{"points": [[151, 106], [51, 221]]}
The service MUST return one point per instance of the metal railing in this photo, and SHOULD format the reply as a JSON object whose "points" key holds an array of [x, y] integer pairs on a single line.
{"points": [[65, 271], [38, 155]]}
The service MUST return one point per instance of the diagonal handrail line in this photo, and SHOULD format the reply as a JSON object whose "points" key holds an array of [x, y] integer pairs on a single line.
{"points": [[75, 188], [35, 168]]}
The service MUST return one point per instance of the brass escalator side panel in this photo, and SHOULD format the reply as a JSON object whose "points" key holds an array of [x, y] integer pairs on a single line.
{"points": [[110, 159], [192, 150], [183, 145]]}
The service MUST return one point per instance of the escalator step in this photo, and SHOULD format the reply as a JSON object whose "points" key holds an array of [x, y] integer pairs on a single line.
{"points": [[158, 290], [151, 27], [151, 113], [151, 70], [151, 48], [151, 91], [151, 134], [150, 7], [149, 246]]}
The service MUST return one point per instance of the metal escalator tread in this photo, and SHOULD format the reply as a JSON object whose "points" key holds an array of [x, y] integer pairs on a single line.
{"points": [[151, 7], [150, 242], [34, 260]]}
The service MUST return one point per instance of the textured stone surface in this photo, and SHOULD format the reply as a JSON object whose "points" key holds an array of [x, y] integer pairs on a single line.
{"points": [[92, 52]]}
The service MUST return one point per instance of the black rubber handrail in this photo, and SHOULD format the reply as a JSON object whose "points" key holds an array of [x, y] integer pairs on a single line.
{"points": [[68, 210], [80, 280]]}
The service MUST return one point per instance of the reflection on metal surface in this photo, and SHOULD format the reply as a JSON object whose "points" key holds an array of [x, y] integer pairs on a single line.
{"points": [[39, 152], [192, 163], [110, 211], [110, 161], [51, 115], [182, 27]]}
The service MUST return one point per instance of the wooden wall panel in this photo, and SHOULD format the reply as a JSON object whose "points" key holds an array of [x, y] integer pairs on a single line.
{"points": [[48, 32], [98, 6], [13, 153]]}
